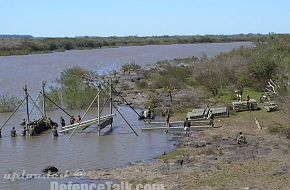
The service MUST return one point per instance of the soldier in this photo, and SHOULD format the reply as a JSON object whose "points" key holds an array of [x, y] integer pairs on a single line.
{"points": [[31, 130], [241, 139], [79, 119], [54, 131], [249, 104], [206, 111], [210, 117], [62, 121], [24, 131], [13, 132], [167, 122], [147, 114], [186, 126], [23, 123], [72, 120]]}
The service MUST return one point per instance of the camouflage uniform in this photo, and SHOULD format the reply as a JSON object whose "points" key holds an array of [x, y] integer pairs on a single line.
{"points": [[241, 139]]}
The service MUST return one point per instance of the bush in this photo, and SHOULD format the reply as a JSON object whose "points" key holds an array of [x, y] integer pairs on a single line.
{"points": [[142, 84], [153, 101], [131, 67], [169, 77], [8, 103], [72, 92]]}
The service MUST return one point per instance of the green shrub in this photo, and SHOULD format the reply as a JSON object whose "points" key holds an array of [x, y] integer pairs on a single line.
{"points": [[72, 92], [131, 67], [8, 103]]}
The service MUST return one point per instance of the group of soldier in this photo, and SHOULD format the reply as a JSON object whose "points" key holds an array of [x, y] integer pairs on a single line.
{"points": [[167, 113], [207, 114], [27, 131]]}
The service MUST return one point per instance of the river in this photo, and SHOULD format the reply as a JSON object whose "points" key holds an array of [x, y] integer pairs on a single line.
{"points": [[84, 150]]}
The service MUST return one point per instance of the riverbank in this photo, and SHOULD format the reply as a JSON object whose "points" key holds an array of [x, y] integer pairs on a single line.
{"points": [[212, 159]]}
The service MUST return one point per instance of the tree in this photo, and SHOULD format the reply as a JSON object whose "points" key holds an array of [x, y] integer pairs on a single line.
{"points": [[208, 73], [71, 91], [170, 77], [8, 103]]}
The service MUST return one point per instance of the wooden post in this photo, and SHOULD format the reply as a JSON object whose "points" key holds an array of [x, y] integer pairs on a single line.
{"points": [[258, 123], [43, 100], [111, 99], [99, 127], [27, 106]]}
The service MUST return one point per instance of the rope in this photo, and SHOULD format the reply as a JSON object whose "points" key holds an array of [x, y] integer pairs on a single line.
{"points": [[13, 113], [85, 113], [104, 105], [122, 116], [125, 101], [34, 104], [57, 105]]}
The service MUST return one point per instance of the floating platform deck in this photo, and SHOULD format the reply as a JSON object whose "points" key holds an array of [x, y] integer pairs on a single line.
{"points": [[177, 128], [193, 122], [271, 106], [245, 105], [202, 113], [105, 120]]}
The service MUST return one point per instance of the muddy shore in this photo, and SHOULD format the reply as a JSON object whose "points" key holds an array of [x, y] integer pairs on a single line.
{"points": [[212, 159]]}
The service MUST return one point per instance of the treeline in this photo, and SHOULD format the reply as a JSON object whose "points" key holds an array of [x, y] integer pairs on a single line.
{"points": [[13, 36], [44, 45]]}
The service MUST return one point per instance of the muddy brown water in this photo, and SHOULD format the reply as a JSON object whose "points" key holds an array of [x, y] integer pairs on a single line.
{"points": [[84, 150]]}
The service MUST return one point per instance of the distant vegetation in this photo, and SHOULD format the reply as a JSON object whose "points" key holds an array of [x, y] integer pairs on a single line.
{"points": [[15, 36], [28, 45], [8, 103]]}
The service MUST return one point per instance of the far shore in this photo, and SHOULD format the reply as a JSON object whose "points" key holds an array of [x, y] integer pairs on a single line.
{"points": [[31, 45]]}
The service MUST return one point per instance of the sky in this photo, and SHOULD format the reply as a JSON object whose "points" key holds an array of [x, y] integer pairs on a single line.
{"points": [[69, 18]]}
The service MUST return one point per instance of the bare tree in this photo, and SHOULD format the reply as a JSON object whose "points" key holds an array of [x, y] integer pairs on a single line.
{"points": [[208, 73]]}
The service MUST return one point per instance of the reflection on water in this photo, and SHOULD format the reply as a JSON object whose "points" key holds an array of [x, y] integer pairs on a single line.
{"points": [[82, 151]]}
